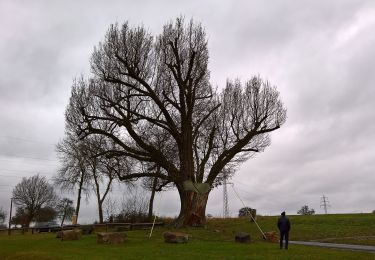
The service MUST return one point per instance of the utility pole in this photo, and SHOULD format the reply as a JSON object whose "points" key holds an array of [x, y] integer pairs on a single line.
{"points": [[324, 203], [225, 198], [10, 214]]}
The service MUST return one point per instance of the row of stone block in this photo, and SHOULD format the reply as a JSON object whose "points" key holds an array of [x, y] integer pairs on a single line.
{"points": [[169, 237]]}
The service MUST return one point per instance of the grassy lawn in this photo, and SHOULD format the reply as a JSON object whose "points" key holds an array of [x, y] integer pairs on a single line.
{"points": [[213, 242]]}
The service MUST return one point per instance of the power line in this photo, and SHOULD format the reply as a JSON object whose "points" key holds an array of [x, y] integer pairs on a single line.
{"points": [[36, 172], [11, 176], [25, 157], [247, 186], [25, 140], [32, 163], [17, 176]]}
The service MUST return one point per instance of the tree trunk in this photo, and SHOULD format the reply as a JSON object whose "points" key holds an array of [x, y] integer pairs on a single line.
{"points": [[100, 207], [78, 200], [28, 220], [63, 219], [193, 209], [151, 203]]}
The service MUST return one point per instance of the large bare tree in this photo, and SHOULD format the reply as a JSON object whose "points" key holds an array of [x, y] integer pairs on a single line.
{"points": [[32, 194], [152, 97]]}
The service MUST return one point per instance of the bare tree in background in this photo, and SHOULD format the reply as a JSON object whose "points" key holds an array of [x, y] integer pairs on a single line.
{"points": [[110, 209], [133, 207], [86, 168], [146, 89], [101, 170], [305, 210], [20, 217], [3, 214], [46, 214], [154, 184], [32, 194], [65, 210], [73, 174]]}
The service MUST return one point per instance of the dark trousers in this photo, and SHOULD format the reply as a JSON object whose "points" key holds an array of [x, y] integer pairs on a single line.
{"points": [[284, 235]]}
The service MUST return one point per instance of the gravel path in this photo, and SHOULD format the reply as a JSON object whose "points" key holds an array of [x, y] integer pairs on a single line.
{"points": [[336, 246]]}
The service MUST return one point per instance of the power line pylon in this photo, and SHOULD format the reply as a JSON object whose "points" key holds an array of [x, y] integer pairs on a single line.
{"points": [[324, 203], [225, 198]]}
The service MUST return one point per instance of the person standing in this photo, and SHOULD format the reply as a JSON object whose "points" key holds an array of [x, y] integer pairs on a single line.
{"points": [[283, 224]]}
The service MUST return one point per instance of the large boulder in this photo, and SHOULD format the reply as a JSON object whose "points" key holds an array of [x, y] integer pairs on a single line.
{"points": [[68, 235], [272, 236], [175, 237], [242, 237], [110, 237]]}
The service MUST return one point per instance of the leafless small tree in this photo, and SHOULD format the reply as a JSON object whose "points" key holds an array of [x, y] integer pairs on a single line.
{"points": [[133, 207], [101, 170], [111, 208], [73, 174], [86, 168], [65, 210], [33, 193]]}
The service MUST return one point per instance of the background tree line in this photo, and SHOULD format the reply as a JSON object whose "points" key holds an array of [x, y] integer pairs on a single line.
{"points": [[36, 201]]}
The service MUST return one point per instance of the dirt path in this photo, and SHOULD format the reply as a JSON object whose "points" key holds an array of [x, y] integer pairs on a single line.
{"points": [[336, 246]]}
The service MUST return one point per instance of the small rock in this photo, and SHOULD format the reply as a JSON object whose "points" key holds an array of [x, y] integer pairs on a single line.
{"points": [[175, 237], [68, 235], [272, 236], [110, 238], [242, 237]]}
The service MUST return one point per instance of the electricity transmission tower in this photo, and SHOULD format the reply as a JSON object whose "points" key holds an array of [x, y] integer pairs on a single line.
{"points": [[225, 198], [324, 203]]}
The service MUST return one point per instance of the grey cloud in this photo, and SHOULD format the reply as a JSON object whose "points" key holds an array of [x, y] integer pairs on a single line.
{"points": [[318, 53]]}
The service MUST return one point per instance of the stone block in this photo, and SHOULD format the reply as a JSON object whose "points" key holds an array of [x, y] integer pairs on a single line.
{"points": [[242, 237], [110, 237], [68, 235], [175, 237]]}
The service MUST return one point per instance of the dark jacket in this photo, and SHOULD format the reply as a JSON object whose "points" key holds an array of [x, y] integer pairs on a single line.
{"points": [[283, 224]]}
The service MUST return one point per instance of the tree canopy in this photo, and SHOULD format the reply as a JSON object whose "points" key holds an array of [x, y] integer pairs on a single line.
{"points": [[305, 210]]}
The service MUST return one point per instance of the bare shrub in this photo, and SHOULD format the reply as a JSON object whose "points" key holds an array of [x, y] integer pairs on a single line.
{"points": [[133, 208]]}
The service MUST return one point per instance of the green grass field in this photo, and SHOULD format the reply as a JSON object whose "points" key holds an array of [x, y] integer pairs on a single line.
{"points": [[213, 242]]}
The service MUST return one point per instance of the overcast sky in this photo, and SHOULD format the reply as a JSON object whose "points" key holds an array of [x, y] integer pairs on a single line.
{"points": [[319, 54]]}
